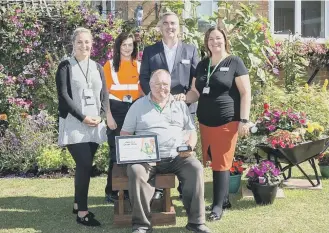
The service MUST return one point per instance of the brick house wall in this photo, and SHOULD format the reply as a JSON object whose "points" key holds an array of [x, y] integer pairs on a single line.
{"points": [[128, 7]]}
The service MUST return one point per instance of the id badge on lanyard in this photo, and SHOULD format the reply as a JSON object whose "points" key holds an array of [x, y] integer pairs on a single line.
{"points": [[127, 99], [88, 93], [206, 89]]}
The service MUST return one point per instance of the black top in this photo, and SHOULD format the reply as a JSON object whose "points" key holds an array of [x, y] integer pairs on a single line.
{"points": [[65, 102], [222, 104]]}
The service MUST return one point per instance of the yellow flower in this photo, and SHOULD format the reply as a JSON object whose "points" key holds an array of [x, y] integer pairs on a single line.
{"points": [[321, 128], [325, 84], [3, 117], [306, 86], [310, 129]]}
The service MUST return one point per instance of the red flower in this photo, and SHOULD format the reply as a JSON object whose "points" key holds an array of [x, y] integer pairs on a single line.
{"points": [[266, 106]]}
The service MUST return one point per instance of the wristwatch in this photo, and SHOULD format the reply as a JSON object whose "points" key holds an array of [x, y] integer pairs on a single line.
{"points": [[244, 120]]}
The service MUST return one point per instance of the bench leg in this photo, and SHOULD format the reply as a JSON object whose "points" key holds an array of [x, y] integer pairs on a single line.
{"points": [[167, 200], [121, 202]]}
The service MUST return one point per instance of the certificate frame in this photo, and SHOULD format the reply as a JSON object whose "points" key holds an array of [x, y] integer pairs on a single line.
{"points": [[137, 149]]}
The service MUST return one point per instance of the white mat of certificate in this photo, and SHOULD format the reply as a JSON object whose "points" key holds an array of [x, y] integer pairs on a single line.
{"points": [[132, 149]]}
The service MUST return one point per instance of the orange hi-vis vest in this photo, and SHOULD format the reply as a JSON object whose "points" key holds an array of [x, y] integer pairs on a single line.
{"points": [[124, 82]]}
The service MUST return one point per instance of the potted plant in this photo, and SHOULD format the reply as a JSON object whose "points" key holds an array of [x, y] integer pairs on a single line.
{"points": [[263, 181], [236, 172], [324, 164]]}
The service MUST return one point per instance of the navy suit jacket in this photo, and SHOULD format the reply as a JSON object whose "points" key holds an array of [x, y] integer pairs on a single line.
{"points": [[154, 58]]}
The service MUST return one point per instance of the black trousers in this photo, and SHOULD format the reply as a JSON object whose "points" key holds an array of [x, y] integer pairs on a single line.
{"points": [[119, 111], [83, 155]]}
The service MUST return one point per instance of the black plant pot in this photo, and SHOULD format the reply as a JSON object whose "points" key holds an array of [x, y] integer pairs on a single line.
{"points": [[263, 194]]}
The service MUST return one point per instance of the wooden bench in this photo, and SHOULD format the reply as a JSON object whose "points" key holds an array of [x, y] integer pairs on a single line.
{"points": [[163, 212]]}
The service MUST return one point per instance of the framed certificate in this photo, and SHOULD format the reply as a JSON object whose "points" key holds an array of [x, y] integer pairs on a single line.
{"points": [[137, 149]]}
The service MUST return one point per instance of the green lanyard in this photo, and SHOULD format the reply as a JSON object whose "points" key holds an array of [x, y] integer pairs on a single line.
{"points": [[209, 74], [157, 107]]}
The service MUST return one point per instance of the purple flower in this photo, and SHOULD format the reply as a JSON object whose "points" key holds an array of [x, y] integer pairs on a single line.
{"points": [[271, 128], [258, 171], [29, 82], [275, 172], [277, 114], [250, 173], [276, 71], [106, 37]]}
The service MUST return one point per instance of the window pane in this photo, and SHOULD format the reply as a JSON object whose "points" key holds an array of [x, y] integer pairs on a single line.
{"points": [[313, 18], [284, 17], [204, 9]]}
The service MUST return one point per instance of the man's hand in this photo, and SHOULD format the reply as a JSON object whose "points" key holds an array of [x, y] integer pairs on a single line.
{"points": [[111, 123], [186, 154], [180, 97]]}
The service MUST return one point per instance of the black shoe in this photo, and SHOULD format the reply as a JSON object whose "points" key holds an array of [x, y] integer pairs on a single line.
{"points": [[88, 221], [157, 195], [200, 228], [75, 211], [226, 205], [215, 217]]}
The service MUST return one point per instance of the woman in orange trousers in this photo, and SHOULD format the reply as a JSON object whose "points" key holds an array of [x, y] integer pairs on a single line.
{"points": [[222, 89]]}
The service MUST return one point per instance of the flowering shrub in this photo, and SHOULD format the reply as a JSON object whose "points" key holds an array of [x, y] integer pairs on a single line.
{"points": [[272, 120], [283, 138], [20, 145], [264, 173], [285, 129], [236, 168]]}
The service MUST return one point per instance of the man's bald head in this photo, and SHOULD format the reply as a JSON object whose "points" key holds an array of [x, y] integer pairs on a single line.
{"points": [[160, 82], [160, 73]]}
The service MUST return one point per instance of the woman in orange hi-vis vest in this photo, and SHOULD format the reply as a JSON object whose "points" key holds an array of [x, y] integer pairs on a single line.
{"points": [[122, 81]]}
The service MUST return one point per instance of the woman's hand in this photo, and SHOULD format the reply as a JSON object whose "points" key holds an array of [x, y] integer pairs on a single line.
{"points": [[243, 129], [92, 121], [180, 97], [111, 123]]}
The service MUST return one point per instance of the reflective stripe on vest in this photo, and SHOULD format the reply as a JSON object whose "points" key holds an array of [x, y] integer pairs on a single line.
{"points": [[117, 86], [112, 97], [124, 87]]}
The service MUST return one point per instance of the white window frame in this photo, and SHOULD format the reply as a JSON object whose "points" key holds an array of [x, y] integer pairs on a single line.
{"points": [[298, 21]]}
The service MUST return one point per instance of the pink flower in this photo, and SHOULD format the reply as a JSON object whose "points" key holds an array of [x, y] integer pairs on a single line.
{"points": [[140, 55], [274, 143], [271, 128], [302, 121], [27, 50], [9, 80], [282, 144], [261, 180], [29, 81]]}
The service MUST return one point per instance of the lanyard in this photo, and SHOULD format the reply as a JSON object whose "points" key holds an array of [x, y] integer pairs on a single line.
{"points": [[209, 74], [157, 107], [85, 75]]}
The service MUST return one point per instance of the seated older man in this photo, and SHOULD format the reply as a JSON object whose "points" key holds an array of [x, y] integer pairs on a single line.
{"points": [[158, 113]]}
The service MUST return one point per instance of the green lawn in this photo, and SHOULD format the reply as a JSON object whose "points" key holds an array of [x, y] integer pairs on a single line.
{"points": [[41, 205]]}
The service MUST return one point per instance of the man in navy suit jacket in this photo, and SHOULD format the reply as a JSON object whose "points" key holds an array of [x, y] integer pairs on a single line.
{"points": [[178, 58], [171, 54]]}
